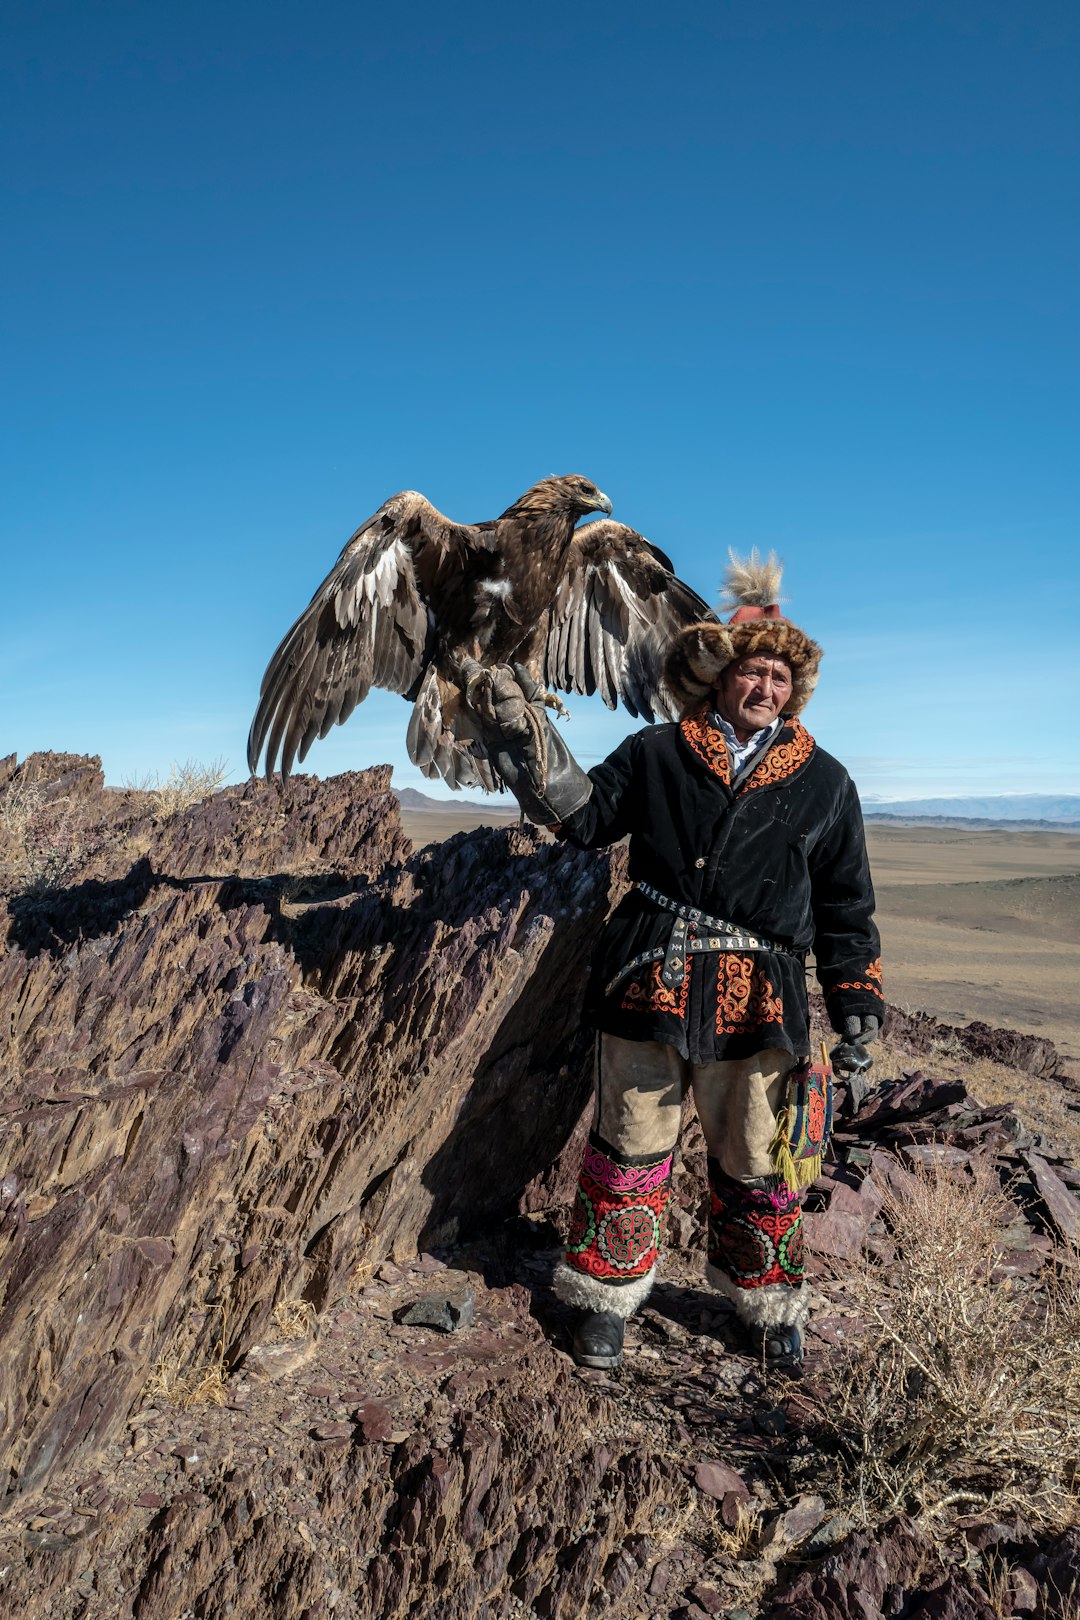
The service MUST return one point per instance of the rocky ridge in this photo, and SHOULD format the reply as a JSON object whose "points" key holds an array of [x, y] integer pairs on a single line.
{"points": [[264, 1080]]}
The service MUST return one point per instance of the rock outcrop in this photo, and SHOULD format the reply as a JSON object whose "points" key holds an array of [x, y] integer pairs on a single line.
{"points": [[267, 1069], [274, 1050]]}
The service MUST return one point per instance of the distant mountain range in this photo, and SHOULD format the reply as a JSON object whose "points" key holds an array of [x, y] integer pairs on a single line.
{"points": [[985, 807]]}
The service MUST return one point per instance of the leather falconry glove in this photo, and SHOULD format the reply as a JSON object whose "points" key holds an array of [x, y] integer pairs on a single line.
{"points": [[523, 745], [851, 1059]]}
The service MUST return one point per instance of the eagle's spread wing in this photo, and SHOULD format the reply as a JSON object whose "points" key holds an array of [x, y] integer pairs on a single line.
{"points": [[618, 609], [367, 625]]}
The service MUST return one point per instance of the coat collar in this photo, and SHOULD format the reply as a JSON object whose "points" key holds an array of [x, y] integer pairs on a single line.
{"points": [[790, 750]]}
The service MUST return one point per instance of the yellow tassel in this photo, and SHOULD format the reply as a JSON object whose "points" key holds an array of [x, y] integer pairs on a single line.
{"points": [[796, 1173]]}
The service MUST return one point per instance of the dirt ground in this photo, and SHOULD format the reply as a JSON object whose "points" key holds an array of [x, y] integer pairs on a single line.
{"points": [[982, 924], [975, 924]]}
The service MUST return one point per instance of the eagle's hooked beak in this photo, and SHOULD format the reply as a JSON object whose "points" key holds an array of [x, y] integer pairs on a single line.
{"points": [[602, 503]]}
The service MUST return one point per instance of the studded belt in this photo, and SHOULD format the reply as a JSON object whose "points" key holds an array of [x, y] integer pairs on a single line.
{"points": [[692, 932]]}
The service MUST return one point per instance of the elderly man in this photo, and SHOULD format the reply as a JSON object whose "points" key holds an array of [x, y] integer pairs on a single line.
{"points": [[746, 851]]}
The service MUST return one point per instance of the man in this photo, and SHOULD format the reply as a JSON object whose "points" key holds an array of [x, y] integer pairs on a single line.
{"points": [[747, 851]]}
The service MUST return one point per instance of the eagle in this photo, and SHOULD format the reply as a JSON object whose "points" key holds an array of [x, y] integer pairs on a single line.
{"points": [[415, 601]]}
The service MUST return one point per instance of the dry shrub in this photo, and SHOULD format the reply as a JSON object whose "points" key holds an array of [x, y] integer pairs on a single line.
{"points": [[19, 804], [185, 785], [49, 841], [957, 1389]]}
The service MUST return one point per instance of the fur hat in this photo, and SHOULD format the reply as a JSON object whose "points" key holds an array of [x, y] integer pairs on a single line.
{"points": [[703, 651]]}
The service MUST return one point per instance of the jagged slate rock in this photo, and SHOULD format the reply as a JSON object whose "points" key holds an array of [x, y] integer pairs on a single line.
{"points": [[920, 1032], [447, 1310], [905, 1100], [935, 1153], [831, 1531], [725, 1486], [1060, 1205], [795, 1524], [836, 1232], [854, 1580], [332, 1431], [710, 1597], [296, 1080], [957, 1598], [1023, 1591], [1058, 1566]]}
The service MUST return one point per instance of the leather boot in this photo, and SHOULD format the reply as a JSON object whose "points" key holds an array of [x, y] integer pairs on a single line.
{"points": [[780, 1342], [598, 1339]]}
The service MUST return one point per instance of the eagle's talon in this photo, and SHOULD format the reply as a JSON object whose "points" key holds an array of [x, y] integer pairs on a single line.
{"points": [[476, 680], [552, 700]]}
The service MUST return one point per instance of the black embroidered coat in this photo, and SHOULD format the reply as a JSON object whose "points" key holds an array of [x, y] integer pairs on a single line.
{"points": [[784, 856]]}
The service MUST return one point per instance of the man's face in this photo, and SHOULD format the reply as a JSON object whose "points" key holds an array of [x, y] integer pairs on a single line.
{"points": [[754, 690]]}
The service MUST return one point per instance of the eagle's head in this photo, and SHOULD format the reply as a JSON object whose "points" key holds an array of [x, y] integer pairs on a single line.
{"points": [[570, 494]]}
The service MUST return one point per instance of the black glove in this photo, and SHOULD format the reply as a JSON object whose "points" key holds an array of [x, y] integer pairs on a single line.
{"points": [[850, 1055], [523, 745]]}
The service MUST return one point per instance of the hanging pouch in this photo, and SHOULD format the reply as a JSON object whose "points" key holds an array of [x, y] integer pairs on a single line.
{"points": [[805, 1122]]}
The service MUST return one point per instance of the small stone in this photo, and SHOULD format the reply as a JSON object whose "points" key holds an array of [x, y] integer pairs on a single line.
{"points": [[661, 1578], [448, 1311], [717, 1480], [375, 1422], [1025, 1591], [332, 1431], [835, 1528], [712, 1600], [798, 1522]]}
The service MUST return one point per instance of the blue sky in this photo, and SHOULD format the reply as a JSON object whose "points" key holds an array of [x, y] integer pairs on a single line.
{"points": [[801, 277]]}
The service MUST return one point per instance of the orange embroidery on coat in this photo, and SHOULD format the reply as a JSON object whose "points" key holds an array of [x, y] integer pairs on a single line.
{"points": [[708, 744], [745, 996], [648, 993], [784, 758], [861, 984]]}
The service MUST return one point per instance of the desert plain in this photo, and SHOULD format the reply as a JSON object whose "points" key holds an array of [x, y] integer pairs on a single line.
{"points": [[975, 923]]}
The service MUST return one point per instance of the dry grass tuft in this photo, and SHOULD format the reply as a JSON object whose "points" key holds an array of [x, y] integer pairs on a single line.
{"points": [[203, 1386], [958, 1391], [185, 785], [294, 1319]]}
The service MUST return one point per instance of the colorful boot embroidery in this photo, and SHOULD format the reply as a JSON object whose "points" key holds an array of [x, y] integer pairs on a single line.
{"points": [[618, 1218], [755, 1230]]}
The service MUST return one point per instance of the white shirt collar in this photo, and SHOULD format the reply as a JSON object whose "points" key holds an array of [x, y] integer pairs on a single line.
{"points": [[740, 752]]}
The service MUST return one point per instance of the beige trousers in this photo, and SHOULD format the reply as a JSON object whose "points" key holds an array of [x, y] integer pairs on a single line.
{"points": [[640, 1088]]}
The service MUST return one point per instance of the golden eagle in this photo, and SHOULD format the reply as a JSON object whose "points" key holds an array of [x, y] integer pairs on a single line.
{"points": [[413, 597]]}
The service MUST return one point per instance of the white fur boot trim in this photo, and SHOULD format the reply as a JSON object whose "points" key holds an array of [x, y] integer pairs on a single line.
{"points": [[575, 1287], [775, 1305]]}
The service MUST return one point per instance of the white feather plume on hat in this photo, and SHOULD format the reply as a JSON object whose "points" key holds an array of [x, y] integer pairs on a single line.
{"points": [[752, 581]]}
